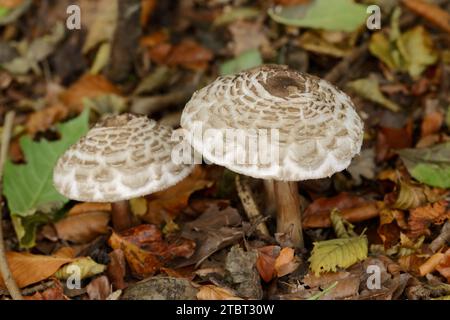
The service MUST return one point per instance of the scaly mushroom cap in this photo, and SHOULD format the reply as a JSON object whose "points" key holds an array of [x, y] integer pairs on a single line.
{"points": [[120, 158], [319, 129]]}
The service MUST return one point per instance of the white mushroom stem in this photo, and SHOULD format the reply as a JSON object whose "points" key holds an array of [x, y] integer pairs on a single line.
{"points": [[120, 215], [289, 220]]}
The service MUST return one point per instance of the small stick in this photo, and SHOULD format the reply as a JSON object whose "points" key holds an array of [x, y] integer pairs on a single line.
{"points": [[6, 274], [250, 207]]}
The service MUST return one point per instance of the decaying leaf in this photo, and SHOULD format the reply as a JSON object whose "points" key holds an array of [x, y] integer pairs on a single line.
{"points": [[215, 229], [420, 218], [170, 202], [83, 227], [30, 268], [146, 251], [266, 262]]}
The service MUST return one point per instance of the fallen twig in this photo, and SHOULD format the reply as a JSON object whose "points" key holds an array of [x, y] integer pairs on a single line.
{"points": [[8, 279]]}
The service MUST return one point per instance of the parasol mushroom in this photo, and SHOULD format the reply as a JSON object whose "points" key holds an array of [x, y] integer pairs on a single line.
{"points": [[121, 157], [307, 127]]}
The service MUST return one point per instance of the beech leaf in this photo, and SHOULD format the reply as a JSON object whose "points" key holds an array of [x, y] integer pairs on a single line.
{"points": [[330, 254]]}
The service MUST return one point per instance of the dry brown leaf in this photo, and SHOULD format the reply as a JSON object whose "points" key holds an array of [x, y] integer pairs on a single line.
{"points": [[141, 262], [99, 288], [266, 262], [212, 292], [42, 120], [420, 218], [146, 251], [430, 265], [88, 86], [352, 208], [444, 266], [30, 268], [389, 139], [88, 207], [188, 54], [431, 12], [83, 227], [286, 263], [116, 269], [170, 202]]}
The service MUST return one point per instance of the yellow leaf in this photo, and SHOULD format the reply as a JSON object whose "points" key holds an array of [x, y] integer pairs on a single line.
{"points": [[328, 255], [86, 265]]}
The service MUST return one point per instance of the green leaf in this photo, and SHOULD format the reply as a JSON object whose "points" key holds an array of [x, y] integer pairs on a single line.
{"points": [[335, 15], [246, 60], [369, 89], [3, 11], [328, 255], [29, 187], [429, 165]]}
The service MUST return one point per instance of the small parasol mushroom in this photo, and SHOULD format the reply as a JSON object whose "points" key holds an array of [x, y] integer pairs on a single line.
{"points": [[317, 131], [120, 158]]}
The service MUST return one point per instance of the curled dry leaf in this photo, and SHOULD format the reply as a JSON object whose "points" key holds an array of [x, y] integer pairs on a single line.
{"points": [[286, 262], [117, 269], [30, 268], [431, 123], [212, 292], [266, 262], [146, 251], [420, 218], [99, 288], [444, 266], [170, 202], [141, 262]]}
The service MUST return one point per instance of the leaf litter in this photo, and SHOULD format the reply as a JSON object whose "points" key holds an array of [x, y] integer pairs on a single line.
{"points": [[200, 238]]}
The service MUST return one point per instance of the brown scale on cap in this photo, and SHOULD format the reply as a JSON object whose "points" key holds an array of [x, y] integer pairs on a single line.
{"points": [[120, 158], [319, 129]]}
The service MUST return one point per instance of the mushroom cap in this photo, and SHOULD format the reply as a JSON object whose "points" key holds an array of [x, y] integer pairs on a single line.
{"points": [[120, 158], [318, 128]]}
